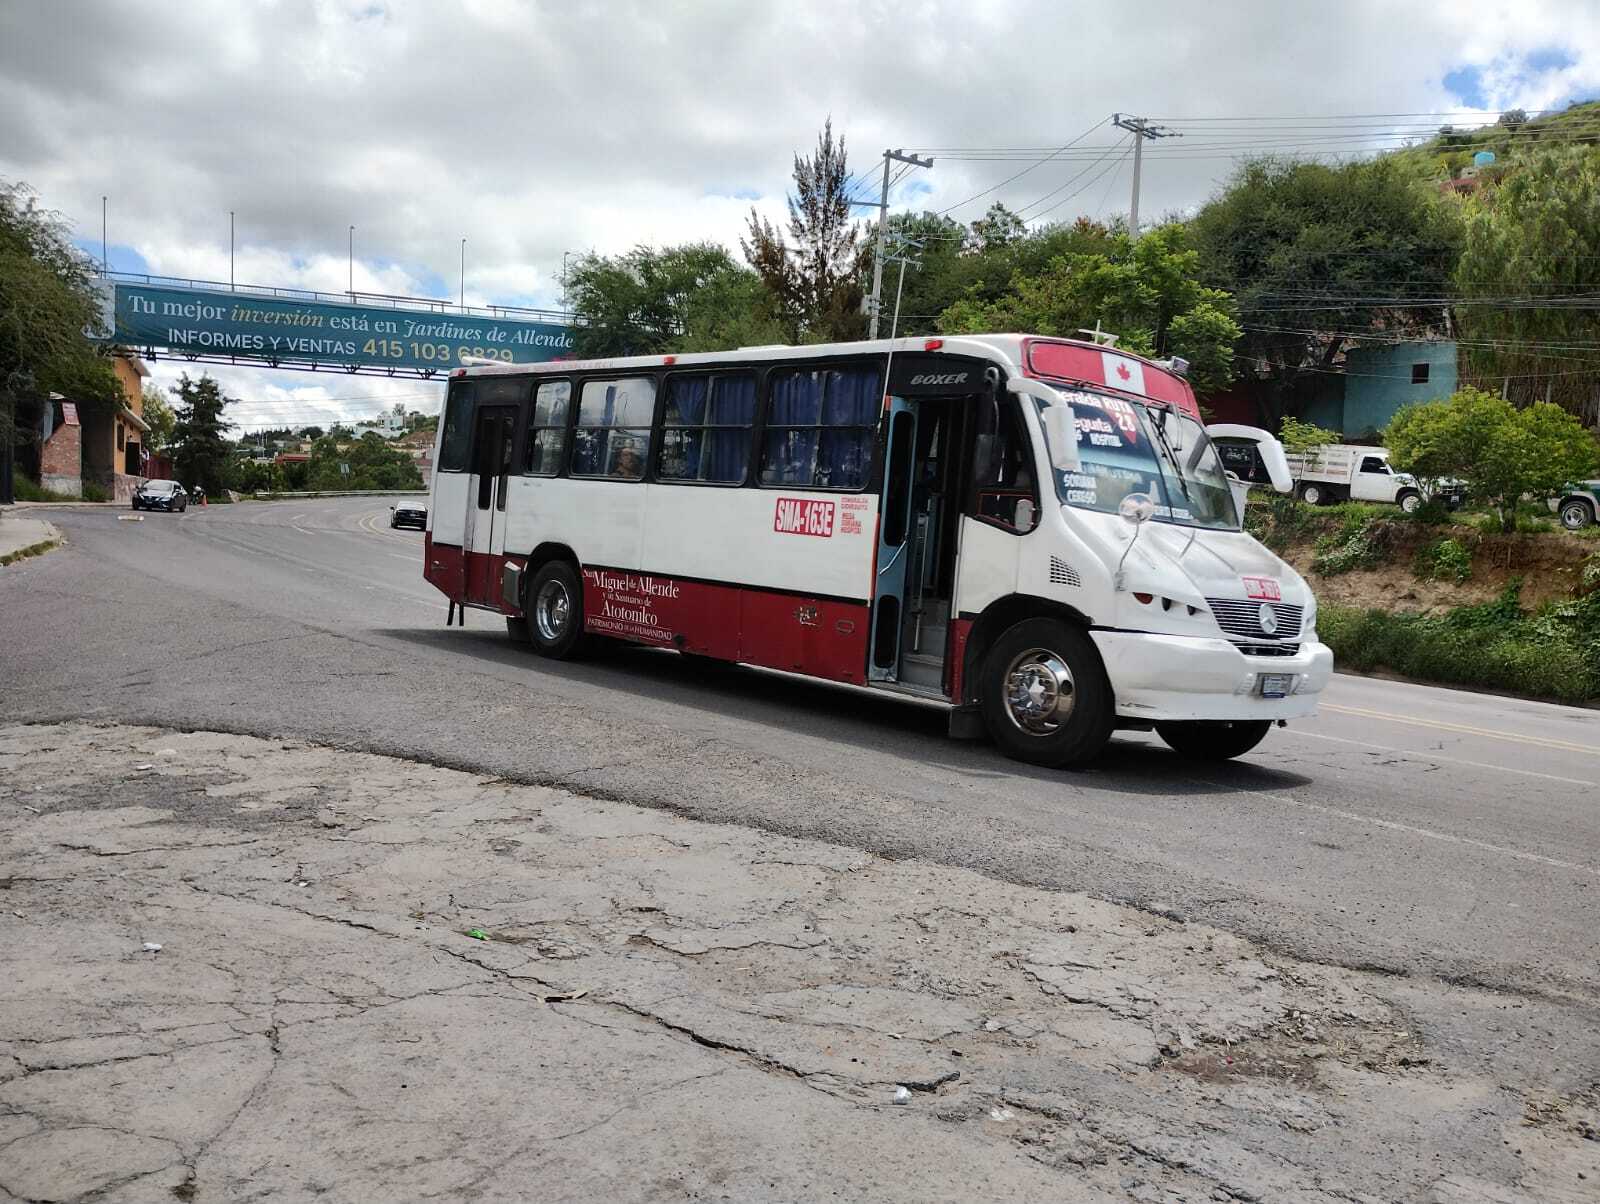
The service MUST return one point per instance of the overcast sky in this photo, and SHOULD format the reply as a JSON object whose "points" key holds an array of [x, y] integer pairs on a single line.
{"points": [[538, 129]]}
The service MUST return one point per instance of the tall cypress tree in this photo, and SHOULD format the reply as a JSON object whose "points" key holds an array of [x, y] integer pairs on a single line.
{"points": [[199, 436], [815, 283]]}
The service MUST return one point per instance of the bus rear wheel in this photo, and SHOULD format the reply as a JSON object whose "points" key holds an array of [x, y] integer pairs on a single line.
{"points": [[555, 611], [1046, 699], [1214, 740]]}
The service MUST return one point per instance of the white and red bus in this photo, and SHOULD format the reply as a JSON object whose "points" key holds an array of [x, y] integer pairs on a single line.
{"points": [[1036, 532]]}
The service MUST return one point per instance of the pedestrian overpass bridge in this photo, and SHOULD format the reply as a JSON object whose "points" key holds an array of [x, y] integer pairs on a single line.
{"points": [[202, 321]]}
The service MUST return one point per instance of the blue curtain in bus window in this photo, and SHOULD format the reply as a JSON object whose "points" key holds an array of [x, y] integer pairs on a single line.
{"points": [[686, 401], [727, 451], [850, 415], [681, 441], [790, 455]]}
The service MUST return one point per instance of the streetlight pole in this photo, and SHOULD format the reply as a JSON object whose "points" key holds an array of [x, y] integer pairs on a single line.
{"points": [[230, 250], [463, 303], [352, 263], [105, 254]]}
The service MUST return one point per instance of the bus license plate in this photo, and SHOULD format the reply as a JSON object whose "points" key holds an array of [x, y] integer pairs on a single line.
{"points": [[1274, 685]]}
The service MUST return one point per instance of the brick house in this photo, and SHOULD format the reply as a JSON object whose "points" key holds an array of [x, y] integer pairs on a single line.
{"points": [[61, 447], [96, 445]]}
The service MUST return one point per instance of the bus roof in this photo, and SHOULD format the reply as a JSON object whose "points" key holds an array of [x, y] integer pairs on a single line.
{"points": [[1073, 360]]}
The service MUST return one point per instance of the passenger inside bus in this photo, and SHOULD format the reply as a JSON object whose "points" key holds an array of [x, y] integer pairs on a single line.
{"points": [[627, 463]]}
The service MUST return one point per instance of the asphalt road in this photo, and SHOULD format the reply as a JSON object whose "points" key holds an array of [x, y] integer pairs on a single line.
{"points": [[1407, 829]]}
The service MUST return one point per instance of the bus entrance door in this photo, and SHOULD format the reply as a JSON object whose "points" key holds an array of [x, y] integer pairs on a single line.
{"points": [[894, 532], [484, 539], [916, 543]]}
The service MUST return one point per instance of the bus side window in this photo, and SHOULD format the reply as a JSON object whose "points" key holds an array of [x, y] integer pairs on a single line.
{"points": [[706, 426], [820, 428], [1005, 491], [547, 431], [612, 438], [457, 427]]}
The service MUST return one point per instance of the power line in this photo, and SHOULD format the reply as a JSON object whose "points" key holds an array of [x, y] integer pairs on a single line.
{"points": [[1109, 165], [1011, 179]]}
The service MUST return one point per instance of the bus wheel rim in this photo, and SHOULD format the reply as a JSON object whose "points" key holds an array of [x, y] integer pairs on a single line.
{"points": [[1039, 692], [552, 611]]}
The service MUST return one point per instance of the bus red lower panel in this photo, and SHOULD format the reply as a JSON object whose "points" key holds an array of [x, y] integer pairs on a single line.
{"points": [[955, 659], [804, 635], [442, 567], [817, 636]]}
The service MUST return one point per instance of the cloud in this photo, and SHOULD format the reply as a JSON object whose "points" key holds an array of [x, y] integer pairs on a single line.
{"points": [[538, 129]]}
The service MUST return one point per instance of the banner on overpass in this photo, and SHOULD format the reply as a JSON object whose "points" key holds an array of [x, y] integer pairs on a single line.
{"points": [[277, 328]]}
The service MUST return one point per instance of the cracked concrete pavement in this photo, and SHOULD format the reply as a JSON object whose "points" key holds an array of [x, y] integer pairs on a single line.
{"points": [[379, 979]]}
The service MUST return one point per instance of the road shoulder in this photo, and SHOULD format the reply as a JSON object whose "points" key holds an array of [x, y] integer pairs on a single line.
{"points": [[443, 983], [22, 537]]}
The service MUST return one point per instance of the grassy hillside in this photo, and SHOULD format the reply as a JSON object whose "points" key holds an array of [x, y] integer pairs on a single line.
{"points": [[1454, 602], [1446, 156]]}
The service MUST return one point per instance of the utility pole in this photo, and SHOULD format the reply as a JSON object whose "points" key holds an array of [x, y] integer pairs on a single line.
{"points": [[889, 157], [105, 254], [1141, 129]]}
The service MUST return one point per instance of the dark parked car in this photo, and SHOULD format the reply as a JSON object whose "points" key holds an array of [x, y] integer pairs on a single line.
{"points": [[160, 495], [409, 514]]}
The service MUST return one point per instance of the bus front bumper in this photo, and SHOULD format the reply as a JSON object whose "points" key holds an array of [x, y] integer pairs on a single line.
{"points": [[1169, 677]]}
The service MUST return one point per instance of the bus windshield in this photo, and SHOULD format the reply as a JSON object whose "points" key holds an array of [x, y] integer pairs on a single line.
{"points": [[1124, 447]]}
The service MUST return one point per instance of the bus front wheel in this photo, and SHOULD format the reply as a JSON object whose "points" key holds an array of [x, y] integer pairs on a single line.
{"points": [[1045, 698], [555, 611], [1214, 740]]}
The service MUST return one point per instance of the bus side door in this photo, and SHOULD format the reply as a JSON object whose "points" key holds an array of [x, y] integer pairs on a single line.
{"points": [[493, 439], [894, 530]]}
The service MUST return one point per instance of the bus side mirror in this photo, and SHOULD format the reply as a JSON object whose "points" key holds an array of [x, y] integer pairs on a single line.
{"points": [[1241, 493], [1060, 424], [987, 458], [1272, 457]]}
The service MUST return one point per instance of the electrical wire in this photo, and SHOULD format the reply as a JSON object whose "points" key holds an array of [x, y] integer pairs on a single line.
{"points": [[1037, 164]]}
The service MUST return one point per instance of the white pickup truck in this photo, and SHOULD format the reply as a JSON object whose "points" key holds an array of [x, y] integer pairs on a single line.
{"points": [[1337, 472]]}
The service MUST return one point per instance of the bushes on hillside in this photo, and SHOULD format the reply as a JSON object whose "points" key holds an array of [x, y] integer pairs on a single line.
{"points": [[1443, 560], [1551, 653]]}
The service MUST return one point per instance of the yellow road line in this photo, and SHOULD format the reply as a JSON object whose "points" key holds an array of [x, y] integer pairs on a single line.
{"points": [[1464, 729]]}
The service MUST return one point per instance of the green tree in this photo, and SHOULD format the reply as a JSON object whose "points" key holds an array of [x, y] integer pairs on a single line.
{"points": [[373, 463], [202, 454], [1146, 292], [47, 301], [1500, 451], [1302, 438], [1315, 254], [310, 432], [1535, 237], [647, 302], [158, 416], [996, 229], [816, 284]]}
